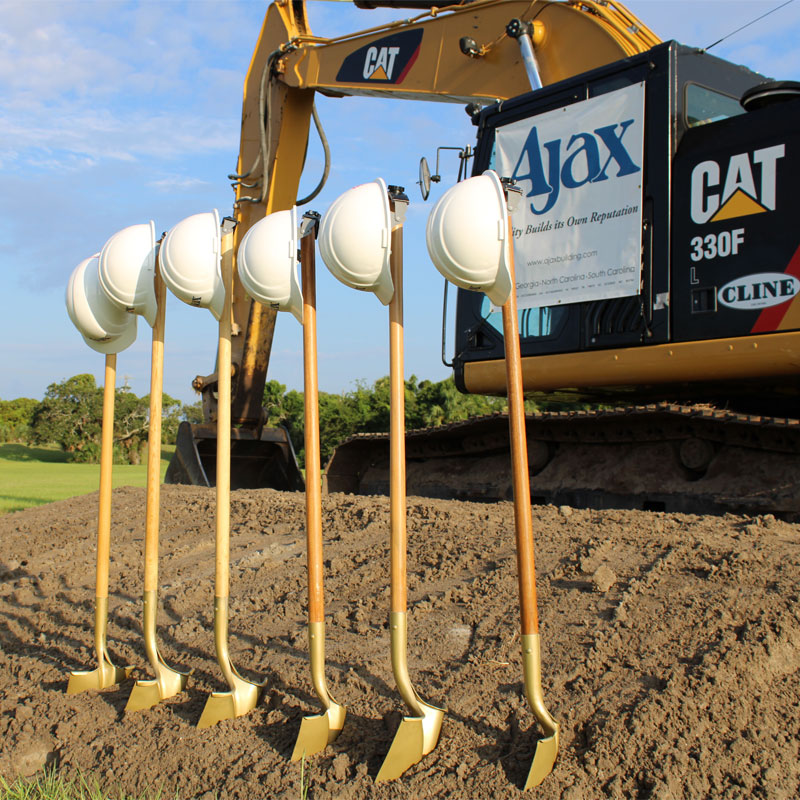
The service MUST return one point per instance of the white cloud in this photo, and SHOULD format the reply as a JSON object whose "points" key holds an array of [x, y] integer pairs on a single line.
{"points": [[109, 81], [101, 134], [170, 183]]}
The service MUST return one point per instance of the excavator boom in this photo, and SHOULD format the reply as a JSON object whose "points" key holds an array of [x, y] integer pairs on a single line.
{"points": [[461, 53]]}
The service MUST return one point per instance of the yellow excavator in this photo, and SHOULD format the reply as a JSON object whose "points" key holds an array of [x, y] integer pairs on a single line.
{"points": [[653, 263]]}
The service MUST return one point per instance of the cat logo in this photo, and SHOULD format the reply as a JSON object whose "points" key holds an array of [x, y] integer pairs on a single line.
{"points": [[748, 188], [379, 63], [384, 61]]}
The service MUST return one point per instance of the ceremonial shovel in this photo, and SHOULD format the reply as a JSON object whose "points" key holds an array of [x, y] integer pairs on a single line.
{"points": [[470, 240], [243, 694], [546, 748], [106, 674], [168, 682], [419, 732], [319, 730]]}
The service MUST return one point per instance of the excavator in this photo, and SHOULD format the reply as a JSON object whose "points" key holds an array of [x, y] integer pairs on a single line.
{"points": [[658, 273]]}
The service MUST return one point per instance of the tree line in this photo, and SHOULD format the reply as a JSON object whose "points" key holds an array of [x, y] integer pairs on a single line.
{"points": [[366, 408], [70, 415]]}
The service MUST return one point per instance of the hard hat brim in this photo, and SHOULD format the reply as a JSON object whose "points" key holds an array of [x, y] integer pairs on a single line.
{"points": [[114, 344], [500, 290]]}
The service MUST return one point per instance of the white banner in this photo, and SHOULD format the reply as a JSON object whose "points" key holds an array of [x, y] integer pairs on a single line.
{"points": [[577, 228]]}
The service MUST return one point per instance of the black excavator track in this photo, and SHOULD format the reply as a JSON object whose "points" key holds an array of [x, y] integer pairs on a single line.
{"points": [[661, 457]]}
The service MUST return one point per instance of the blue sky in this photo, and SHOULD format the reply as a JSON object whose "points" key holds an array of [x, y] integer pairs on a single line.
{"points": [[115, 113]]}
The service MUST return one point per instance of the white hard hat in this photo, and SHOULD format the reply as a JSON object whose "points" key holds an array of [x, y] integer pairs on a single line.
{"points": [[355, 239], [191, 262], [467, 236], [127, 270], [104, 325], [267, 262]]}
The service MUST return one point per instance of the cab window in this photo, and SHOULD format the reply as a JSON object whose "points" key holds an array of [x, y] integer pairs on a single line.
{"points": [[704, 106]]}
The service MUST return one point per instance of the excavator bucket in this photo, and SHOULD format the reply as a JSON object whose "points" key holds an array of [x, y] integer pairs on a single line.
{"points": [[257, 462]]}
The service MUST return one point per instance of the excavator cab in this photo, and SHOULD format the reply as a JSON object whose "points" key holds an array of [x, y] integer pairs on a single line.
{"points": [[654, 246], [657, 273]]}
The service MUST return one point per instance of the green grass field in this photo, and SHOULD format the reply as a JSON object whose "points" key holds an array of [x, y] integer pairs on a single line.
{"points": [[32, 476], [50, 785]]}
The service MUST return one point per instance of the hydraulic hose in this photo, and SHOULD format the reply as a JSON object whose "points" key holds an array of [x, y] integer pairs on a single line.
{"points": [[327, 150], [263, 154]]}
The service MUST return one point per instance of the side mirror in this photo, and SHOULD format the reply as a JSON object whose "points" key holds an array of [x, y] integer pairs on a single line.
{"points": [[424, 178]]}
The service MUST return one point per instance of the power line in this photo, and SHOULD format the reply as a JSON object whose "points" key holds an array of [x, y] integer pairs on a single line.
{"points": [[706, 49]]}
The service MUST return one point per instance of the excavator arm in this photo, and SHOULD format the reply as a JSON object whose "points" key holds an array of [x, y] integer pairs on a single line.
{"points": [[461, 53]]}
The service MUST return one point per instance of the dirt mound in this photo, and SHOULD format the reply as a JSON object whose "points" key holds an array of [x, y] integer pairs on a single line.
{"points": [[671, 647]]}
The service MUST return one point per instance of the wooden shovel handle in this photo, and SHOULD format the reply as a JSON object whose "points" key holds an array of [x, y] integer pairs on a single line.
{"points": [[526, 566], [223, 519], [397, 430], [106, 462], [316, 599], [154, 441]]}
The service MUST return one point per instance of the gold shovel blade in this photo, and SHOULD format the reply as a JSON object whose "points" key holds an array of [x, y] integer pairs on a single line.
{"points": [[544, 758], [107, 674], [101, 678], [318, 731], [415, 738], [243, 695], [146, 694], [219, 706], [229, 705]]}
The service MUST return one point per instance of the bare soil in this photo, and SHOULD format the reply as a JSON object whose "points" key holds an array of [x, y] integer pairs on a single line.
{"points": [[671, 648]]}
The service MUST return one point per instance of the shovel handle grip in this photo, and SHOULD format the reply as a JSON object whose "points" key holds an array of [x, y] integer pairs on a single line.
{"points": [[523, 526]]}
